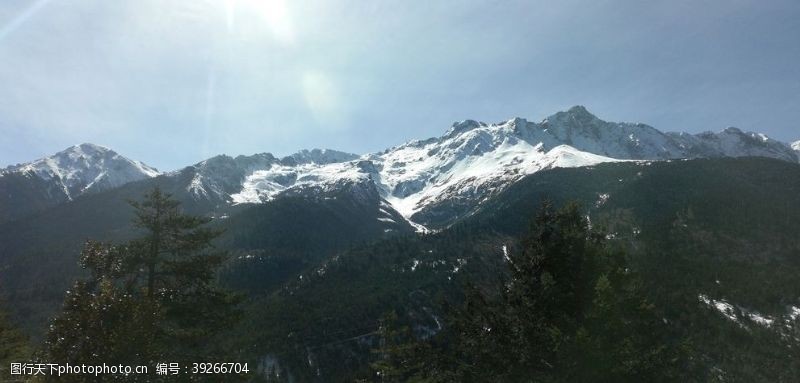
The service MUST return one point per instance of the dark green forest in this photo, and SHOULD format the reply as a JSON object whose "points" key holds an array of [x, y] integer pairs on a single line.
{"points": [[615, 272]]}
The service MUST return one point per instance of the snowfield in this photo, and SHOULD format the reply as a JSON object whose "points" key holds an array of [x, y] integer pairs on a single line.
{"points": [[472, 159]]}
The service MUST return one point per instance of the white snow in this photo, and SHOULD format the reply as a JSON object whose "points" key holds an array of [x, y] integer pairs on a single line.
{"points": [[723, 307], [419, 228], [734, 312], [601, 199], [476, 163], [760, 319], [473, 160], [794, 312], [196, 186], [460, 262], [264, 185], [86, 167]]}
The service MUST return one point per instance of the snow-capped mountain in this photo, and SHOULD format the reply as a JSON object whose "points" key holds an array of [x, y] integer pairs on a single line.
{"points": [[318, 156], [85, 168], [429, 183], [75, 171], [469, 166], [796, 147], [432, 182], [732, 142], [224, 178], [218, 177]]}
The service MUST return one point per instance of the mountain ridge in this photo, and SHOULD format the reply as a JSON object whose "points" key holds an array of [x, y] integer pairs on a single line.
{"points": [[68, 174], [82, 168], [423, 179], [436, 181]]}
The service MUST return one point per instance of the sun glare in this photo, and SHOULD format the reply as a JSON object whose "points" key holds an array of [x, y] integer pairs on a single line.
{"points": [[274, 13]]}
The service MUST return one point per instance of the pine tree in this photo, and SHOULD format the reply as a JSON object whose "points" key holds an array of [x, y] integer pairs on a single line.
{"points": [[152, 299], [401, 359], [177, 263], [570, 310], [102, 319]]}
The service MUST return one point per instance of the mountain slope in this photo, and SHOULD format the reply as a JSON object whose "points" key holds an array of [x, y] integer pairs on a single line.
{"points": [[733, 142], [437, 181], [432, 182], [674, 218], [292, 217], [39, 253], [224, 178], [64, 176]]}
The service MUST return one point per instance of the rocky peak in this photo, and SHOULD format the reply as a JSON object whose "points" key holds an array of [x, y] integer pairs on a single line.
{"points": [[463, 126], [318, 156], [84, 168], [575, 114]]}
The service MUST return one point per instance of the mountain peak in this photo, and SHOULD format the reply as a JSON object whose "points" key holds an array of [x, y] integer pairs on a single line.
{"points": [[577, 113], [732, 130], [92, 147], [319, 156], [463, 126], [796, 145], [579, 110], [518, 121], [85, 150], [84, 167]]}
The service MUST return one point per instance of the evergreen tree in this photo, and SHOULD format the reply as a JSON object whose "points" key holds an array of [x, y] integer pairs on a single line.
{"points": [[153, 299], [175, 262], [570, 310], [103, 319], [401, 359]]}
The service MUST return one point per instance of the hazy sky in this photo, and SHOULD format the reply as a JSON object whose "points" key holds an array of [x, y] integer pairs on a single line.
{"points": [[174, 82]]}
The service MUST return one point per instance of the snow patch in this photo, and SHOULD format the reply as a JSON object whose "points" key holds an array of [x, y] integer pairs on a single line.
{"points": [[265, 185], [735, 313], [601, 199], [724, 308]]}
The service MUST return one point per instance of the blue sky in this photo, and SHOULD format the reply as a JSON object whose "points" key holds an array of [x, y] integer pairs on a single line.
{"points": [[174, 82]]}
